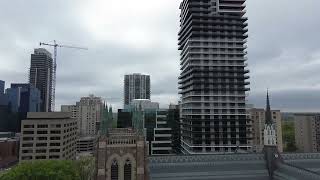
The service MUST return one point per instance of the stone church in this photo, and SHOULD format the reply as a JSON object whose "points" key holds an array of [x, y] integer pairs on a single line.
{"points": [[122, 155]]}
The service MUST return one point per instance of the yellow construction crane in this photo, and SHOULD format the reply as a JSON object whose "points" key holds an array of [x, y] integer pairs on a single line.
{"points": [[55, 47]]}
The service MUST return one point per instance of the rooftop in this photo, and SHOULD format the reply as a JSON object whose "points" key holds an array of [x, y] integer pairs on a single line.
{"points": [[48, 115]]}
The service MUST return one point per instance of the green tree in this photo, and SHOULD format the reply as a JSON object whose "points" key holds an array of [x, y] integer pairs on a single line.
{"points": [[43, 170], [288, 135]]}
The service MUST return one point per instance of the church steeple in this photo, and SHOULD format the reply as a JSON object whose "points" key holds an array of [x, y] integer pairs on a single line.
{"points": [[270, 137], [268, 111]]}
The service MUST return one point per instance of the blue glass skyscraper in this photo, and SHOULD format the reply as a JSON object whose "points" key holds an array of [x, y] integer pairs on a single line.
{"points": [[23, 98]]}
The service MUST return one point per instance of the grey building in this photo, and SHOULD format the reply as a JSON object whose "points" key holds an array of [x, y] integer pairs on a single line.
{"points": [[3, 99], [88, 112], [136, 86], [307, 132], [48, 135], [41, 76], [2, 86], [213, 76]]}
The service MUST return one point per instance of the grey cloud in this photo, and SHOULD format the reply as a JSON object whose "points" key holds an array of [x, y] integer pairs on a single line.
{"points": [[283, 50]]}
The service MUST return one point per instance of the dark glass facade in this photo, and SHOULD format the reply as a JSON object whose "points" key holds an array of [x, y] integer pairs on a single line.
{"points": [[213, 76], [136, 86], [41, 76]]}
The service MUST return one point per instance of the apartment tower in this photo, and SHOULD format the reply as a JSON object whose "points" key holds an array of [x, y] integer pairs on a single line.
{"points": [[41, 75], [307, 132], [213, 76], [88, 112], [136, 86]]}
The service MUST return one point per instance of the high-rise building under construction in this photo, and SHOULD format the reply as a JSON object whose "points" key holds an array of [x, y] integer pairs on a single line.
{"points": [[40, 76], [213, 76]]}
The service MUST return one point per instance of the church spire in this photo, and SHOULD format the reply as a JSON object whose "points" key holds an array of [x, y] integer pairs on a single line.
{"points": [[268, 111]]}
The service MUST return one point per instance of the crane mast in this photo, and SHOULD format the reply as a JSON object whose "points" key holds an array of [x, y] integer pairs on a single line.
{"points": [[55, 52]]}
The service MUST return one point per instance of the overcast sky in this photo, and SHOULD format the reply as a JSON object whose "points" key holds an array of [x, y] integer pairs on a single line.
{"points": [[141, 36]]}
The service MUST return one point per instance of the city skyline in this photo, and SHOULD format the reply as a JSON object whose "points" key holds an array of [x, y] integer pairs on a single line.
{"points": [[281, 54]]}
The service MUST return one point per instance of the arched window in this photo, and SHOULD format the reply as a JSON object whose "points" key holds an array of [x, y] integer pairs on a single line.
{"points": [[114, 170], [127, 170]]}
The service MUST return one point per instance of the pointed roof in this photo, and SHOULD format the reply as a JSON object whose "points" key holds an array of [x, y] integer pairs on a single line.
{"points": [[268, 111]]}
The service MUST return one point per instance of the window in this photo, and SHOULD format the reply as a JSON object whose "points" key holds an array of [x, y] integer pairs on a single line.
{"points": [[41, 151], [55, 138], [114, 170], [28, 138], [42, 138], [42, 126], [42, 132], [55, 132], [41, 144], [127, 170]]}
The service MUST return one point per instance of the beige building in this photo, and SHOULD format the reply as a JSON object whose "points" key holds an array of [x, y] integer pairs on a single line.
{"points": [[258, 125], [307, 132], [88, 113], [48, 135], [122, 155]]}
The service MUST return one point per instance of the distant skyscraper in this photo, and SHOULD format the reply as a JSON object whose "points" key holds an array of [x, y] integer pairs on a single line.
{"points": [[136, 86], [23, 98], [40, 76], [212, 78], [88, 113], [3, 100], [2, 83]]}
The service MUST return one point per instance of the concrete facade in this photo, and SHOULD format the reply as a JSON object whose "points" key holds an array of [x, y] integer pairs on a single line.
{"points": [[258, 125], [307, 132], [86, 144], [88, 112], [48, 135], [122, 155]]}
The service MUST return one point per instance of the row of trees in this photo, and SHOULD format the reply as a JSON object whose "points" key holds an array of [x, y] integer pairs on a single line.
{"points": [[82, 169]]}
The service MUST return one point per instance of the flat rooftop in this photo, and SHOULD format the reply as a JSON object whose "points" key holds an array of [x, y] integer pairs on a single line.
{"points": [[48, 115]]}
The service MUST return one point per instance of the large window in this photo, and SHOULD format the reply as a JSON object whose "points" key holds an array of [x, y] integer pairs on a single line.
{"points": [[127, 170], [114, 170]]}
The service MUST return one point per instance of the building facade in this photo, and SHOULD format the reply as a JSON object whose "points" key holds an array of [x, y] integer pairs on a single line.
{"points": [[122, 155], [88, 112], [24, 98], [86, 145], [48, 135], [213, 76], [162, 135], [307, 132], [145, 104], [136, 86], [41, 76], [3, 99], [258, 125], [8, 152]]}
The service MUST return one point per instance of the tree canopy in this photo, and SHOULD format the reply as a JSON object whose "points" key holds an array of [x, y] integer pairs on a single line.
{"points": [[50, 170]]}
